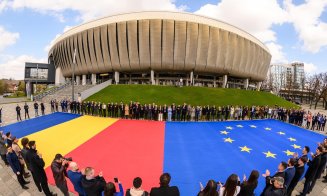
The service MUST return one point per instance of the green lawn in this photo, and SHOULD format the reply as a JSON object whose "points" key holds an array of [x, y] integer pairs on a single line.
{"points": [[190, 95]]}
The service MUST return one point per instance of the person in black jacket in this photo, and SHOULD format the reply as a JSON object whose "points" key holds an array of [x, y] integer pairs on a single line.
{"points": [[19, 118], [93, 186], [165, 189], [26, 111], [24, 141], [136, 189], [209, 190], [320, 169], [312, 170], [16, 167], [248, 186], [8, 139], [299, 170], [42, 108], [280, 173], [36, 165], [58, 167], [276, 187]]}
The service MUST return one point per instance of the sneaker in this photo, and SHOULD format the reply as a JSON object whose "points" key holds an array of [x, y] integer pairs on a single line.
{"points": [[27, 182]]}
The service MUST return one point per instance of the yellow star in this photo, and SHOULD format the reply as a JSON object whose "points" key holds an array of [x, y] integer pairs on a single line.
{"points": [[228, 140], [269, 154], [224, 132], [253, 126], [296, 146], [245, 149], [230, 128], [240, 126], [267, 128], [289, 153], [281, 133], [292, 139]]}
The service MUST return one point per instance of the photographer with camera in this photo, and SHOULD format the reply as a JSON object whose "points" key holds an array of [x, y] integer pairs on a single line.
{"points": [[58, 167]]}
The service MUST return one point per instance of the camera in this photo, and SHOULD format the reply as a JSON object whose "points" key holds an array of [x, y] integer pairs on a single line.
{"points": [[68, 158]]}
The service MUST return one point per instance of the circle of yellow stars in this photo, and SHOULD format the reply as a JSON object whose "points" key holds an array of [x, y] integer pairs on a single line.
{"points": [[268, 154]]}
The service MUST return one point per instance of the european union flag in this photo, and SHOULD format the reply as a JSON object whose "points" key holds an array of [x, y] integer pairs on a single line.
{"points": [[197, 152]]}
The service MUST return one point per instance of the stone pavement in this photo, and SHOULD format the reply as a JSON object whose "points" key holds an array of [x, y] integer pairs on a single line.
{"points": [[9, 185], [9, 111]]}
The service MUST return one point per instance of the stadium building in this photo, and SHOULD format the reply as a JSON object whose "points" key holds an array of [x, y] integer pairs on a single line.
{"points": [[160, 48]]}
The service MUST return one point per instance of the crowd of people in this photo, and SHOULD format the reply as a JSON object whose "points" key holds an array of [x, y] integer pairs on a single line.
{"points": [[85, 182], [187, 112], [26, 110]]}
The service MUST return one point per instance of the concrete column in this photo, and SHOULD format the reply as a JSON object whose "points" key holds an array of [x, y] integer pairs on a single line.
{"points": [[83, 79], [78, 80], [246, 83], [192, 78], [59, 79], [157, 79], [259, 85], [187, 80], [94, 79], [152, 81], [214, 82], [225, 78], [116, 77]]}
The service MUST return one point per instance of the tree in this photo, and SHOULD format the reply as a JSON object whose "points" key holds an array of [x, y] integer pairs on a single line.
{"points": [[3, 87], [21, 86]]}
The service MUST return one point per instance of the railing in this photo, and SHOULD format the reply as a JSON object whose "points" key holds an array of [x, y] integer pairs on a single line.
{"points": [[85, 94], [50, 91]]}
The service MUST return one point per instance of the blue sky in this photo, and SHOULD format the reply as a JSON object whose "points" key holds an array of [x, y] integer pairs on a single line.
{"points": [[293, 30]]}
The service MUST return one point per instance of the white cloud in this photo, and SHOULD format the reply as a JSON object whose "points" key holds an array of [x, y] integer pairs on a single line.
{"points": [[13, 67], [7, 38], [310, 68], [277, 53], [306, 20], [254, 16], [91, 9]]}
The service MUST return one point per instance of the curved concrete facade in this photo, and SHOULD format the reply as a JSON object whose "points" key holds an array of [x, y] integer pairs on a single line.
{"points": [[163, 42]]}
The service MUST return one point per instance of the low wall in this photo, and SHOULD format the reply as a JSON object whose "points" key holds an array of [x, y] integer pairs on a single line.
{"points": [[85, 94]]}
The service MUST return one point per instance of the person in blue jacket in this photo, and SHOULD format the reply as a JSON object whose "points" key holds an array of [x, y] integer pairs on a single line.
{"points": [[16, 167], [110, 189], [75, 176]]}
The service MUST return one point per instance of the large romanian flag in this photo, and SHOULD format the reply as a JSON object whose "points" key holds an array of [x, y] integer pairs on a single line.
{"points": [[191, 152]]}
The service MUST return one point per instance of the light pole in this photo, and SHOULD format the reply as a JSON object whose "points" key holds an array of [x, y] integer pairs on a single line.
{"points": [[73, 75]]}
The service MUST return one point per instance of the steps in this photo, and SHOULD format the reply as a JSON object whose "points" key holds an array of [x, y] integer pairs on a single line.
{"points": [[66, 93]]}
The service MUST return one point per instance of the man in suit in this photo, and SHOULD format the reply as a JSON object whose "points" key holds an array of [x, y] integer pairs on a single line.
{"points": [[37, 167], [299, 171], [312, 170], [320, 169], [24, 142], [165, 189], [19, 118], [16, 167], [26, 111], [289, 172]]}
